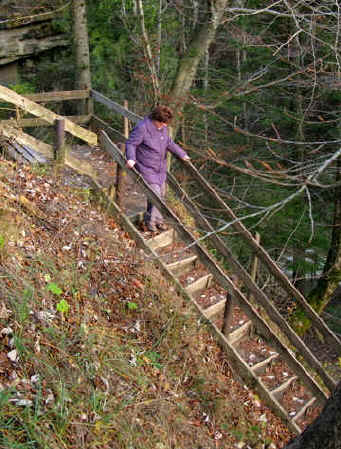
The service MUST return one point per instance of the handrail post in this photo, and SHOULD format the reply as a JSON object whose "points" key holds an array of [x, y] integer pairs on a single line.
{"points": [[228, 312], [59, 149], [254, 264]]}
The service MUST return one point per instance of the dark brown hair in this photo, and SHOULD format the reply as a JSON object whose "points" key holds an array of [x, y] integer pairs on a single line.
{"points": [[162, 114]]}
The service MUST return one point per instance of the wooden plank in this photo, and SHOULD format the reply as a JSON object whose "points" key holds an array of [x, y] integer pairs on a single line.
{"points": [[281, 388], [25, 139], [219, 275], [257, 293], [228, 315], [113, 106], [39, 111], [161, 240], [265, 258], [303, 410], [46, 97], [182, 265], [37, 122], [199, 284], [260, 366], [215, 308], [238, 334]]}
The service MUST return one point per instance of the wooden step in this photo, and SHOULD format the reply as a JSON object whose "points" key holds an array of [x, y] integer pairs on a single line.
{"points": [[281, 389], [215, 309], [238, 334], [260, 367], [303, 410], [199, 284], [161, 240], [182, 266]]}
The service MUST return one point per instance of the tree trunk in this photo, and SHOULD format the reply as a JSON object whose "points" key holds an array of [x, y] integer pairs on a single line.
{"points": [[199, 45], [81, 49], [325, 431], [148, 52], [330, 279]]}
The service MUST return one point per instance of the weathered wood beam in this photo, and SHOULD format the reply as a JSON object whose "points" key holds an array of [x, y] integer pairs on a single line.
{"points": [[113, 106], [41, 112], [38, 122], [161, 240], [199, 284], [239, 334], [25, 139], [46, 97], [215, 308]]}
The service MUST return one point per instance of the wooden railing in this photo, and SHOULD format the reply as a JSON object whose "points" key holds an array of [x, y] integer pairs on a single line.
{"points": [[44, 117]]}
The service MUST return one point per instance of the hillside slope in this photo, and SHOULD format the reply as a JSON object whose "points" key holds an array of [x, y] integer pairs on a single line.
{"points": [[96, 350]]}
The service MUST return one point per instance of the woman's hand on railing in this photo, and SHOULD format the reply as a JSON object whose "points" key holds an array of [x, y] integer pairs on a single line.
{"points": [[130, 163]]}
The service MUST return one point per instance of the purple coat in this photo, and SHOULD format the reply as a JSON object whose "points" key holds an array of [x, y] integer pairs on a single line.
{"points": [[148, 146]]}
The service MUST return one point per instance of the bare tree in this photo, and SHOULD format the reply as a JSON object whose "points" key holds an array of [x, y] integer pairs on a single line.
{"points": [[81, 47]]}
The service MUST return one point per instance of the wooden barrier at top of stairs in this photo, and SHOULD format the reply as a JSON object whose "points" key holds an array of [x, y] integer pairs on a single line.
{"points": [[23, 102]]}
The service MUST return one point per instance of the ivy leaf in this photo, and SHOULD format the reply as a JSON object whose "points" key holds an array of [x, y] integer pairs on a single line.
{"points": [[63, 306], [53, 287], [132, 305]]}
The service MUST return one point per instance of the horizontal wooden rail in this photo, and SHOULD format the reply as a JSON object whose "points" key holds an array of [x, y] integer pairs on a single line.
{"points": [[46, 97], [38, 122]]}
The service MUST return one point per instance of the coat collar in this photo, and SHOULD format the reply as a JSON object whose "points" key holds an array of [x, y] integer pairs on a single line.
{"points": [[152, 129]]}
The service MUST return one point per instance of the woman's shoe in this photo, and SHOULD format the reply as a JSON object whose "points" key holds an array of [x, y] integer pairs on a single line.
{"points": [[151, 227], [162, 226]]}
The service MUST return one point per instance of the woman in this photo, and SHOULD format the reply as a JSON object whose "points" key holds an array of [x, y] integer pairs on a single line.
{"points": [[146, 150]]}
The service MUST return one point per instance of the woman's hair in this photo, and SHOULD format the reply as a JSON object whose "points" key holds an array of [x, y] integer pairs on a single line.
{"points": [[162, 114]]}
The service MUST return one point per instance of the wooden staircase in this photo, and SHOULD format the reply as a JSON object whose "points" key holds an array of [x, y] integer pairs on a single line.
{"points": [[262, 348]]}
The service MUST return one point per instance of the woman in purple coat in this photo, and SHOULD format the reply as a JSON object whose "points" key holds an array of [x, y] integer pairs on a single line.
{"points": [[146, 150]]}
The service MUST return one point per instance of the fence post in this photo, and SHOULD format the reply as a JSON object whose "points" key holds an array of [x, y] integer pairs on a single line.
{"points": [[254, 264], [121, 172], [59, 149]]}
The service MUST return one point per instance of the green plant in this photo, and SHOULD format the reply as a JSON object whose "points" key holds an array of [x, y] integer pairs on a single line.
{"points": [[63, 307], [54, 288], [132, 305]]}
